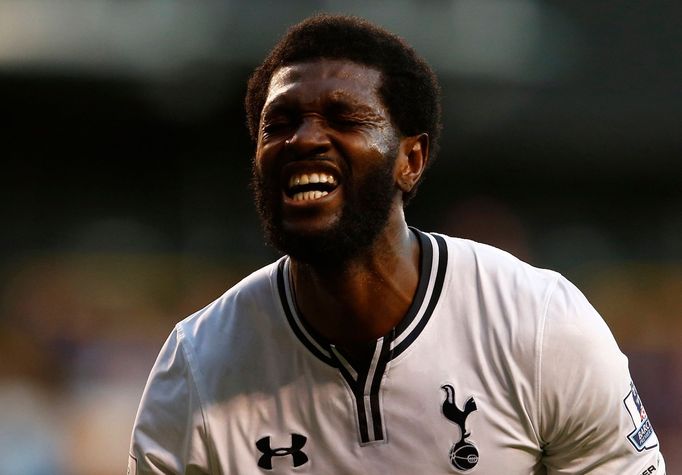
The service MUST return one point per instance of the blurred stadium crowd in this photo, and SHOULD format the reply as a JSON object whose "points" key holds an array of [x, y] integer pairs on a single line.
{"points": [[125, 201]]}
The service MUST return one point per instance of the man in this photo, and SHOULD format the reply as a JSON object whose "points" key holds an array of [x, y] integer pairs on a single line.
{"points": [[372, 347]]}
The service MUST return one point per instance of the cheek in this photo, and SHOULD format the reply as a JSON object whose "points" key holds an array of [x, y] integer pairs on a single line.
{"points": [[376, 143], [264, 158], [382, 141]]}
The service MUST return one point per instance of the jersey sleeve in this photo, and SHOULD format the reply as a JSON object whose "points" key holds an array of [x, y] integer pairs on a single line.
{"points": [[592, 420], [169, 434]]}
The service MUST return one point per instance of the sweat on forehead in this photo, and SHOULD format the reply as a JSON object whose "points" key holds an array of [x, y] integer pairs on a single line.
{"points": [[336, 78]]}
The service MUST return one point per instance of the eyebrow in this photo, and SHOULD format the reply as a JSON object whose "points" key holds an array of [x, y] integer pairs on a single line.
{"points": [[345, 101], [276, 105]]}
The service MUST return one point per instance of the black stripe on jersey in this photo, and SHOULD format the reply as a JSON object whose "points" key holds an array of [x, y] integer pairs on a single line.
{"points": [[377, 418], [367, 386], [358, 391], [293, 323], [426, 260], [442, 258], [344, 367]]}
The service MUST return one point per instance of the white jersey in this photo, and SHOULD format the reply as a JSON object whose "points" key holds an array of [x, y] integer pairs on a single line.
{"points": [[497, 368]]}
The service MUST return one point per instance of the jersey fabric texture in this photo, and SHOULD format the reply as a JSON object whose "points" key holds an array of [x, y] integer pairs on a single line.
{"points": [[498, 367]]}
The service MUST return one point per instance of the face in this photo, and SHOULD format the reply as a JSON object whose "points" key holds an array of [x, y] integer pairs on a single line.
{"points": [[324, 165]]}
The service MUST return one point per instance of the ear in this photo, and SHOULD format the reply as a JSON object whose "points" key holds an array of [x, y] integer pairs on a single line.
{"points": [[411, 162]]}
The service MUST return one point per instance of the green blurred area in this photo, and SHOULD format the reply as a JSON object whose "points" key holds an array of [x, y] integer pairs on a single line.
{"points": [[125, 202]]}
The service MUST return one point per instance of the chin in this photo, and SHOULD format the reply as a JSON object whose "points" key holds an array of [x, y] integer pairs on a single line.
{"points": [[309, 229], [315, 246], [327, 246]]}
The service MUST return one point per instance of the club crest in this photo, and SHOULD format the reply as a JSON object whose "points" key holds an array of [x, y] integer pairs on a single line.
{"points": [[463, 454]]}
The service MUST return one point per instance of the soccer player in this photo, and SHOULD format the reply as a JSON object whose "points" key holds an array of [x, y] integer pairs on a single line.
{"points": [[372, 347]]}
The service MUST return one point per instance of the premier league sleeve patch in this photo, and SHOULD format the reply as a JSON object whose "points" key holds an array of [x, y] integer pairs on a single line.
{"points": [[643, 435]]}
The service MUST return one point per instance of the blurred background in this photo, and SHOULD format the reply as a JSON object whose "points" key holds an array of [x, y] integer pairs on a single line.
{"points": [[125, 167]]}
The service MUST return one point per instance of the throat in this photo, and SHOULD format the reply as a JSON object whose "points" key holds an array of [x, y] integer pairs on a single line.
{"points": [[354, 312], [355, 305]]}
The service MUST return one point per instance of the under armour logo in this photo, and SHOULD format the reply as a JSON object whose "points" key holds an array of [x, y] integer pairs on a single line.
{"points": [[298, 456]]}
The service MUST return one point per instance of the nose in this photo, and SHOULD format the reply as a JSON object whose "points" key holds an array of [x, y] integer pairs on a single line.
{"points": [[310, 138]]}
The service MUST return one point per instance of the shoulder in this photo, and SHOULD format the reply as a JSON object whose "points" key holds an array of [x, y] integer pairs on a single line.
{"points": [[497, 274], [489, 258], [494, 271], [248, 308], [557, 309], [579, 351], [499, 301], [248, 295]]}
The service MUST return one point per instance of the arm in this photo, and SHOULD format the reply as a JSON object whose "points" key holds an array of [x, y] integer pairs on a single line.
{"points": [[591, 419], [169, 435]]}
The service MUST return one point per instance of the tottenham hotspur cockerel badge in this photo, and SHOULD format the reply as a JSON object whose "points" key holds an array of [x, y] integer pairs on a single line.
{"points": [[463, 454]]}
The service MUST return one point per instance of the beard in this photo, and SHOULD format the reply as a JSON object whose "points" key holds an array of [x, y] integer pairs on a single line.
{"points": [[364, 214]]}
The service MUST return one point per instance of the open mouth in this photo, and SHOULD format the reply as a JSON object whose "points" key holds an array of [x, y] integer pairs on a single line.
{"points": [[310, 186]]}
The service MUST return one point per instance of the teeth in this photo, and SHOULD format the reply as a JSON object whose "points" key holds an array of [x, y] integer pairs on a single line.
{"points": [[304, 179], [309, 195]]}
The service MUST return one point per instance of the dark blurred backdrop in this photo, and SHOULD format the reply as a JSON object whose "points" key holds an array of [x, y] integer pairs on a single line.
{"points": [[125, 167]]}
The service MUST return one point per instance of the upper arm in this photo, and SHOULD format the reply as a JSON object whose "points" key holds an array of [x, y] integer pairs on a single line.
{"points": [[586, 395], [169, 434]]}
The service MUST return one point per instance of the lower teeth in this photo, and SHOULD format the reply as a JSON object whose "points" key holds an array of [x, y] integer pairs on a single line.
{"points": [[309, 195]]}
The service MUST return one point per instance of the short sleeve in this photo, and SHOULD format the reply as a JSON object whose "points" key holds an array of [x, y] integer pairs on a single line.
{"points": [[592, 420], [169, 435]]}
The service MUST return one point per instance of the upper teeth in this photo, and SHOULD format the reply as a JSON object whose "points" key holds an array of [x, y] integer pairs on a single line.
{"points": [[305, 178]]}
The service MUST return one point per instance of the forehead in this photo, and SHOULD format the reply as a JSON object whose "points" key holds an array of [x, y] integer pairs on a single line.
{"points": [[312, 81]]}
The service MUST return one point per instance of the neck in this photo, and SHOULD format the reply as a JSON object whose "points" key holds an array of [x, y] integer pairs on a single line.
{"points": [[362, 299]]}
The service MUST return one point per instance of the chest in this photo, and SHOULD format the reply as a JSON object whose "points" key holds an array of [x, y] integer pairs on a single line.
{"points": [[420, 414]]}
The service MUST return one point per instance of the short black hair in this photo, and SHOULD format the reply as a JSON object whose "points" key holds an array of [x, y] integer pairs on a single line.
{"points": [[409, 88]]}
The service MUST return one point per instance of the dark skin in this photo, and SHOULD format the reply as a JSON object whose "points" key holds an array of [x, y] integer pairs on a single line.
{"points": [[326, 116]]}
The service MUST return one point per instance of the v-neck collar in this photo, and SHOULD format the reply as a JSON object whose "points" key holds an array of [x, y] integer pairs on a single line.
{"points": [[433, 265], [365, 383]]}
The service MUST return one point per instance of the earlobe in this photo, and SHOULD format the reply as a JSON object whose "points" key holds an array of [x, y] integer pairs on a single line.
{"points": [[411, 163]]}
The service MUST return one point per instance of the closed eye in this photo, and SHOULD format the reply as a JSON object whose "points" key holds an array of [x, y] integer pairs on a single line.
{"points": [[277, 117], [278, 125], [273, 127], [347, 114], [346, 122]]}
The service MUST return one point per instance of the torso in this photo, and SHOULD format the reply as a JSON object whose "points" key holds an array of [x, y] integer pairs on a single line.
{"points": [[278, 396]]}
